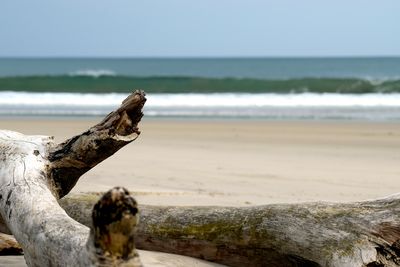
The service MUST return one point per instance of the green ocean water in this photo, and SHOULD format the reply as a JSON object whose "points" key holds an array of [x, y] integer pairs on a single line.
{"points": [[201, 75], [111, 83], [251, 88]]}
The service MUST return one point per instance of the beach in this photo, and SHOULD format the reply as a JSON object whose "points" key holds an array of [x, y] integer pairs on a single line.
{"points": [[280, 120], [238, 163], [276, 119], [241, 162]]}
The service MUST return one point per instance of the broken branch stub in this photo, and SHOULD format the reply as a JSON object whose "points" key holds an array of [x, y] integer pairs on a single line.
{"points": [[112, 236]]}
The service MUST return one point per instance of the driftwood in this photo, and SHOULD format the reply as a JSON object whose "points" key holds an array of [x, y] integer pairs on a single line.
{"points": [[35, 172], [362, 234]]}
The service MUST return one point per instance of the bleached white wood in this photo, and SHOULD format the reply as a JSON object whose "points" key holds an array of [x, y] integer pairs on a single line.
{"points": [[48, 236]]}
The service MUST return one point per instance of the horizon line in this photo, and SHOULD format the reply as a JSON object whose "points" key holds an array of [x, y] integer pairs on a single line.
{"points": [[202, 57]]}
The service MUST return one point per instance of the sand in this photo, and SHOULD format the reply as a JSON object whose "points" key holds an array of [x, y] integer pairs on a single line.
{"points": [[241, 163]]}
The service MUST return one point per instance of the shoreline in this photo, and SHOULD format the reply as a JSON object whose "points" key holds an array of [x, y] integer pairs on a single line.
{"points": [[191, 119]]}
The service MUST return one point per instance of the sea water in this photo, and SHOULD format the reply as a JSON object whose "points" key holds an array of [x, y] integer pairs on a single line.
{"points": [[261, 88]]}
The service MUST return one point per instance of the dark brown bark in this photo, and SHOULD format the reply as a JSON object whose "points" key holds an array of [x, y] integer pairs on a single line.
{"points": [[114, 221], [9, 246]]}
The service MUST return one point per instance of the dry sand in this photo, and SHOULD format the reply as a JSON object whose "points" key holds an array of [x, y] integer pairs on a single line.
{"points": [[241, 163]]}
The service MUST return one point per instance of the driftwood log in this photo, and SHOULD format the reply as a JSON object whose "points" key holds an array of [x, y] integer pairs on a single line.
{"points": [[362, 234], [35, 173]]}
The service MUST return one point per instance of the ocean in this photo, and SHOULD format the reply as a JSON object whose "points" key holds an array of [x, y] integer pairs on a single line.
{"points": [[248, 88]]}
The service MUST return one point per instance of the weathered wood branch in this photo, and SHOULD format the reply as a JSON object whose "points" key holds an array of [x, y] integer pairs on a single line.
{"points": [[35, 172], [362, 234], [71, 159]]}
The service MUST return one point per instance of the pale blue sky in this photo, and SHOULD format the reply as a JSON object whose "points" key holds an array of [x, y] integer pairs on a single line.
{"points": [[206, 28]]}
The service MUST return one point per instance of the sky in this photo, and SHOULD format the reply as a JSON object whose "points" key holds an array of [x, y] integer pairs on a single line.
{"points": [[206, 28]]}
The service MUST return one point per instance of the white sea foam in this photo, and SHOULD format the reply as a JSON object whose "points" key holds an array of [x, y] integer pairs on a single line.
{"points": [[206, 100], [374, 106], [59, 99], [276, 100], [93, 73]]}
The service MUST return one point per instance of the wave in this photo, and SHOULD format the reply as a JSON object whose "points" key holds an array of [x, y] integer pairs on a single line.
{"points": [[100, 81], [205, 100], [371, 106], [93, 73]]}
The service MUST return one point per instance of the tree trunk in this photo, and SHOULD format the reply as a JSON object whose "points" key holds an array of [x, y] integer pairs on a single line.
{"points": [[35, 172], [362, 234]]}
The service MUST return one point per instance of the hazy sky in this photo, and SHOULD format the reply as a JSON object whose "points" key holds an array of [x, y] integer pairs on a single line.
{"points": [[199, 28]]}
